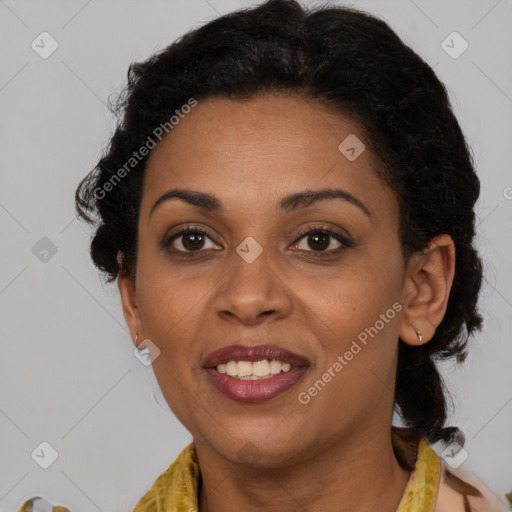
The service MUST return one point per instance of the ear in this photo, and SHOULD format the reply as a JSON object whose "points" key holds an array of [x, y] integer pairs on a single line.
{"points": [[428, 282], [129, 304]]}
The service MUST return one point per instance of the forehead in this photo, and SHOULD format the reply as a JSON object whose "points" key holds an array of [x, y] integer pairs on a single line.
{"points": [[255, 151]]}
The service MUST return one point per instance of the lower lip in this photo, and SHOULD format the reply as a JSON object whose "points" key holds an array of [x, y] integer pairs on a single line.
{"points": [[253, 391]]}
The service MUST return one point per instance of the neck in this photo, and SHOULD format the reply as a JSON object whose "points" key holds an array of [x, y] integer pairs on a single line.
{"points": [[358, 474]]}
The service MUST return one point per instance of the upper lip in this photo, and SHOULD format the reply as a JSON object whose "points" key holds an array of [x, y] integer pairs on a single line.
{"points": [[253, 353]]}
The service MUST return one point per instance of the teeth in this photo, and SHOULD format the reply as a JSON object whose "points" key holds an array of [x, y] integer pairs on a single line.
{"points": [[232, 368], [260, 368], [275, 366], [247, 370], [244, 368]]}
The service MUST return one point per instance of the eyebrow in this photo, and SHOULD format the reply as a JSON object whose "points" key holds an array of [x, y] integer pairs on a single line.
{"points": [[210, 203]]}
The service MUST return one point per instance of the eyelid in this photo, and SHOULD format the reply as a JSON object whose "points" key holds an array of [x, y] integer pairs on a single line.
{"points": [[188, 228], [344, 240]]}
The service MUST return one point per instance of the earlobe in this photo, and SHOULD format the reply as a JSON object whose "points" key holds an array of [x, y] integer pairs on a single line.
{"points": [[129, 303], [427, 289]]}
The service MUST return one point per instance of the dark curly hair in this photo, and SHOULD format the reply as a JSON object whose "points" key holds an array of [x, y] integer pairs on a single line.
{"points": [[356, 65]]}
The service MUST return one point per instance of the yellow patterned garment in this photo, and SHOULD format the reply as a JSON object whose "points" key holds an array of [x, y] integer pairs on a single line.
{"points": [[432, 487]]}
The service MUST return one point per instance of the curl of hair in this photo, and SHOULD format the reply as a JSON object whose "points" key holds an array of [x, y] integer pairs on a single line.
{"points": [[354, 64]]}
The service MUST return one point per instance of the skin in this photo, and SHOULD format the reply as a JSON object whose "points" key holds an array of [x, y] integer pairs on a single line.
{"points": [[334, 452]]}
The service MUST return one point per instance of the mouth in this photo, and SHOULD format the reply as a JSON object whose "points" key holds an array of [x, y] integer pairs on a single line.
{"points": [[255, 373]]}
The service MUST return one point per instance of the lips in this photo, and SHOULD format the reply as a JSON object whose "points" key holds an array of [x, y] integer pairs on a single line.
{"points": [[262, 389]]}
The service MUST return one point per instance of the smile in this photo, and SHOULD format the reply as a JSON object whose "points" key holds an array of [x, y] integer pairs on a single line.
{"points": [[251, 374]]}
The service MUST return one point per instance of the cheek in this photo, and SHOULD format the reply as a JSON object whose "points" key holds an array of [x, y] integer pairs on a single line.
{"points": [[359, 312], [357, 294], [167, 297]]}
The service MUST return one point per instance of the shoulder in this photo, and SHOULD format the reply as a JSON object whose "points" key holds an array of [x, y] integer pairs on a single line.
{"points": [[461, 491], [435, 485]]}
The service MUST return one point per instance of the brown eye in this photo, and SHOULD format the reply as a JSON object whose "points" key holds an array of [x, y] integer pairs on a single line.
{"points": [[192, 241], [320, 241], [189, 240]]}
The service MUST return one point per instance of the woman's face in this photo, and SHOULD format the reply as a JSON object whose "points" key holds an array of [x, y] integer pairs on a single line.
{"points": [[254, 279]]}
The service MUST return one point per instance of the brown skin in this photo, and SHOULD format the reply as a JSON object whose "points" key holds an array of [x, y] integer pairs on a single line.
{"points": [[334, 452]]}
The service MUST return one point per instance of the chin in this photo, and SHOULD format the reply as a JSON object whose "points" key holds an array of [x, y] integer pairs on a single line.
{"points": [[254, 447]]}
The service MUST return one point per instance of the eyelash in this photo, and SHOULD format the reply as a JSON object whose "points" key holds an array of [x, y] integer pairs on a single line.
{"points": [[345, 242]]}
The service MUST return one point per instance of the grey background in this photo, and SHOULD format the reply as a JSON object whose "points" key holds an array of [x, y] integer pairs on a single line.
{"points": [[68, 375]]}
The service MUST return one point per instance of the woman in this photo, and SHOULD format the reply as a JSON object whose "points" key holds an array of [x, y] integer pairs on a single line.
{"points": [[287, 206]]}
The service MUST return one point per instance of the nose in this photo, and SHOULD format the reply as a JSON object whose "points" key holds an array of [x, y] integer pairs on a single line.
{"points": [[253, 292]]}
